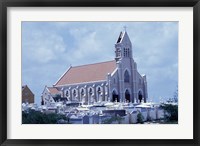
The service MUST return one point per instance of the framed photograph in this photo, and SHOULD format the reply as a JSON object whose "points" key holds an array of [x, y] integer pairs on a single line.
{"points": [[99, 72]]}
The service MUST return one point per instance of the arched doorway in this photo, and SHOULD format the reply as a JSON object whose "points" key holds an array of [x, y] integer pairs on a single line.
{"points": [[127, 95], [140, 97], [115, 97]]}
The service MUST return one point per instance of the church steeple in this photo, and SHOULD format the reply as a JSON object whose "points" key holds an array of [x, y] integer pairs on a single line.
{"points": [[123, 46]]}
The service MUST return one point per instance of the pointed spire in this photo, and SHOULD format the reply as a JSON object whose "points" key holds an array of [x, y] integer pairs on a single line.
{"points": [[125, 28]]}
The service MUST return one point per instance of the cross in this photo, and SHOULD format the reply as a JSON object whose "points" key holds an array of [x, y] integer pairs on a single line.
{"points": [[125, 28]]}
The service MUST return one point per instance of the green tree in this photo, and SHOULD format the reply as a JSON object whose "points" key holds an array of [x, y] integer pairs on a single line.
{"points": [[36, 117], [175, 99], [171, 111], [140, 118]]}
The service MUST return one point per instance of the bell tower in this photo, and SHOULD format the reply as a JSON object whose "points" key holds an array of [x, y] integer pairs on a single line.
{"points": [[123, 46]]}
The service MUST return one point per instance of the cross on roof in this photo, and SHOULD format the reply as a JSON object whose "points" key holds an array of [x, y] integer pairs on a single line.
{"points": [[125, 28]]}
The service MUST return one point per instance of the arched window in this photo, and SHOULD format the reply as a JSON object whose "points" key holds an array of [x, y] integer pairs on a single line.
{"points": [[74, 93], [126, 77], [67, 93], [90, 91], [82, 92], [99, 90]]}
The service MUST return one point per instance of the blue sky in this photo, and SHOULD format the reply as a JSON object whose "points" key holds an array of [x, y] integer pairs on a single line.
{"points": [[49, 48]]}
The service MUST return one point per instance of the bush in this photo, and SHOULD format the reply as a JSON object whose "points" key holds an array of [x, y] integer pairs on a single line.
{"points": [[140, 118], [171, 111], [36, 117]]}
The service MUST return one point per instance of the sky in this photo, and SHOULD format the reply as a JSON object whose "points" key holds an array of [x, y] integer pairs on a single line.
{"points": [[49, 48]]}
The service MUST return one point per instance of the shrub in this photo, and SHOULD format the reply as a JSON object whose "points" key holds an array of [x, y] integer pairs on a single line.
{"points": [[140, 118], [36, 117], [171, 111]]}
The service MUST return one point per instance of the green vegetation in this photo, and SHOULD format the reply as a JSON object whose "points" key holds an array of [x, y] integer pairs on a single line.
{"points": [[171, 112], [140, 118], [36, 117]]}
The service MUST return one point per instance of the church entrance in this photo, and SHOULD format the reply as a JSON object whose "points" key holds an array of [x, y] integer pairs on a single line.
{"points": [[140, 96], [115, 97], [127, 95]]}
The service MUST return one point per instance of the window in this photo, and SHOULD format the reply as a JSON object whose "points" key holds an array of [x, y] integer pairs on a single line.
{"points": [[74, 93], [126, 77], [67, 93], [126, 52], [90, 91], [82, 92], [99, 90], [118, 52]]}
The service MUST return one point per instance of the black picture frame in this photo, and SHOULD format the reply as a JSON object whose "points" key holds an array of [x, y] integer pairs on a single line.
{"points": [[4, 4]]}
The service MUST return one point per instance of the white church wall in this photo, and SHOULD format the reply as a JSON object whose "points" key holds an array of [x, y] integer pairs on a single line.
{"points": [[86, 86], [47, 97]]}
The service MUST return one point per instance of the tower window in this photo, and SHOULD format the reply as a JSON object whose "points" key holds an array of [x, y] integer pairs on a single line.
{"points": [[126, 52], [126, 77], [118, 52]]}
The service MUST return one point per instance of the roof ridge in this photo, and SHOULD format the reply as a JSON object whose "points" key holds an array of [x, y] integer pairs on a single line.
{"points": [[51, 87], [92, 64]]}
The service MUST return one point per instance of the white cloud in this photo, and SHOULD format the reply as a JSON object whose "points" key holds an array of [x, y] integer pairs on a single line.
{"points": [[43, 47]]}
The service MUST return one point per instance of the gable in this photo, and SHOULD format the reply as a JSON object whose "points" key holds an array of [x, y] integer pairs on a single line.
{"points": [[26, 91], [53, 90]]}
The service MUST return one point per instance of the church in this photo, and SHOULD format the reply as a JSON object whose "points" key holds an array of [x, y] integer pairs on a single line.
{"points": [[117, 80]]}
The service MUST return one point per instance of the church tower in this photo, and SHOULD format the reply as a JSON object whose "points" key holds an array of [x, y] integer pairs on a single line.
{"points": [[125, 65], [123, 47], [132, 86]]}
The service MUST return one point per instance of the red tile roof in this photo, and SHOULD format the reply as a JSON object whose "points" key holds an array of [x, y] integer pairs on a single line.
{"points": [[53, 90], [87, 73]]}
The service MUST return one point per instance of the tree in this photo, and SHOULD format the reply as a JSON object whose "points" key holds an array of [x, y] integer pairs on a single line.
{"points": [[36, 117], [175, 99], [171, 111], [140, 118]]}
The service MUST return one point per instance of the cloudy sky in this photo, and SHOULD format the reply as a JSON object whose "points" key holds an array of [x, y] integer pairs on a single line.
{"points": [[49, 48]]}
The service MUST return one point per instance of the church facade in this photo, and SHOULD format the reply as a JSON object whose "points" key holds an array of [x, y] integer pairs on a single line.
{"points": [[117, 80]]}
